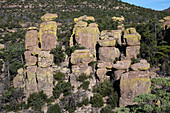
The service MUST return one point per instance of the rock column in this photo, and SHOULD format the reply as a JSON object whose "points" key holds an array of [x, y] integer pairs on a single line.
{"points": [[132, 40], [107, 51], [38, 73]]}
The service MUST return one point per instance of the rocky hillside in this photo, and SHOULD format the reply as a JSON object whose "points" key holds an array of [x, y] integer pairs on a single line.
{"points": [[52, 58], [167, 10]]}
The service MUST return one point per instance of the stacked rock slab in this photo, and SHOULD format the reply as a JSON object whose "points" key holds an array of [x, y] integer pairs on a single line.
{"points": [[80, 60], [120, 21], [107, 51], [132, 40], [134, 82], [38, 74], [84, 34]]}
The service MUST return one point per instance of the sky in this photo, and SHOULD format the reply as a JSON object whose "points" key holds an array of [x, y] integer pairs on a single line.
{"points": [[152, 4]]}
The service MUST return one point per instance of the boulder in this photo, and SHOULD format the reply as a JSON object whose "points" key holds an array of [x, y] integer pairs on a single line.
{"points": [[31, 40], [104, 65], [45, 80], [45, 59], [84, 18], [30, 59], [49, 17], [122, 65], [132, 51], [101, 73], [131, 37], [142, 65], [47, 35], [81, 69], [112, 35], [19, 79], [133, 83], [107, 43], [108, 54], [81, 56]]}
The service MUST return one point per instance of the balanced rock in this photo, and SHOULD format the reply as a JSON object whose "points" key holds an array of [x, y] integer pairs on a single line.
{"points": [[133, 83], [108, 54], [85, 17], [122, 65], [142, 65], [81, 56], [49, 17]]}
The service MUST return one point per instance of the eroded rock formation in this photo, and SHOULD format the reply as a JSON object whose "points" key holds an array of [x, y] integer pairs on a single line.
{"points": [[103, 49], [38, 72]]}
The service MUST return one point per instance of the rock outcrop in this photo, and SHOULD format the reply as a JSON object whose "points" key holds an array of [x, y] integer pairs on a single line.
{"points": [[38, 73], [104, 54], [85, 34], [132, 40]]}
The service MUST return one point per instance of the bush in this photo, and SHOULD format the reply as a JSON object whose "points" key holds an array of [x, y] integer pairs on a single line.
{"points": [[59, 76], [54, 109], [58, 55], [62, 87], [106, 89], [11, 99], [85, 85], [134, 60], [107, 109], [37, 100], [70, 50], [97, 100], [83, 77]]}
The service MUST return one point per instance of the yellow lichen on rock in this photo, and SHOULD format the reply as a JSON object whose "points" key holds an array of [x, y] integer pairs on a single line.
{"points": [[49, 17], [32, 28], [121, 19], [107, 43], [167, 18], [85, 18]]}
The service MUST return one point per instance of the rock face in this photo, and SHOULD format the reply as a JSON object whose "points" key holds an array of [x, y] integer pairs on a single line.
{"points": [[132, 40], [103, 59], [85, 34], [38, 74], [132, 84]]}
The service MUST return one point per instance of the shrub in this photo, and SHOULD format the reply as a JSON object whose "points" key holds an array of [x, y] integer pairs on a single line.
{"points": [[37, 100], [85, 85], [107, 109], [58, 55], [11, 99], [83, 77], [97, 100], [54, 109], [59, 76], [134, 60], [70, 50], [62, 87]]}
